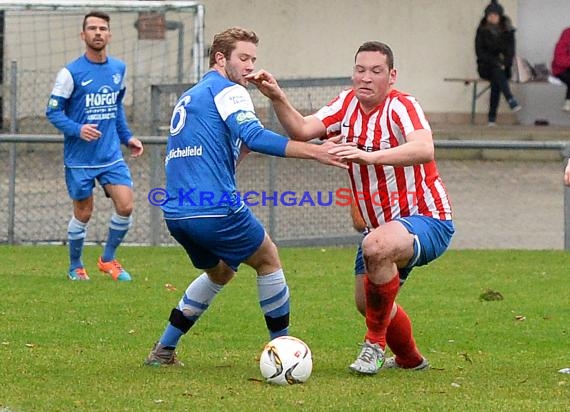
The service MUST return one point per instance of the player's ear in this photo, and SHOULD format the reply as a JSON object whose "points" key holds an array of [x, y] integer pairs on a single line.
{"points": [[220, 59], [393, 77]]}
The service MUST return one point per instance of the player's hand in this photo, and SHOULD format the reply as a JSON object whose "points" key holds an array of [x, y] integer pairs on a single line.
{"points": [[243, 152], [89, 132], [349, 152], [266, 83], [567, 174], [325, 156], [261, 76], [136, 147]]}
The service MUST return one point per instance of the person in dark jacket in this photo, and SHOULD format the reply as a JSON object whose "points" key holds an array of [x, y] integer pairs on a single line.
{"points": [[495, 49]]}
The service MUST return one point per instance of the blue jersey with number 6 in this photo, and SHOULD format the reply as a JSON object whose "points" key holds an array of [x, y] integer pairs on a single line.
{"points": [[209, 125]]}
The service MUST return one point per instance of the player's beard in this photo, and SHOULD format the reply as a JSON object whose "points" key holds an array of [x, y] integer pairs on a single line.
{"points": [[97, 46], [234, 75]]}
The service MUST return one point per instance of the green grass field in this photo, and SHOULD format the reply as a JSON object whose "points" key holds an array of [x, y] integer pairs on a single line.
{"points": [[69, 346]]}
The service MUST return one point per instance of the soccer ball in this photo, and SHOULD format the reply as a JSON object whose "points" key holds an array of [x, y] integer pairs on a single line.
{"points": [[286, 361]]}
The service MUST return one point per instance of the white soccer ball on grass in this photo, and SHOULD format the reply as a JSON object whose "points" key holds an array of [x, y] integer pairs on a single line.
{"points": [[286, 360]]}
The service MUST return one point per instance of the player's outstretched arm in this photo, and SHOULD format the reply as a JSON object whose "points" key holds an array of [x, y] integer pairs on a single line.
{"points": [[297, 126], [418, 149], [319, 152]]}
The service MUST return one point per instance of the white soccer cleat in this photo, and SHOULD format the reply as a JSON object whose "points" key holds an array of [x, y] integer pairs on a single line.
{"points": [[390, 363], [370, 359]]}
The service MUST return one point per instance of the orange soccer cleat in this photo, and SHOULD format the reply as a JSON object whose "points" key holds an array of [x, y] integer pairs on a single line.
{"points": [[114, 269]]}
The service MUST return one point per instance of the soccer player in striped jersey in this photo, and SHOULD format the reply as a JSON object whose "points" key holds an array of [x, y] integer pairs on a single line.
{"points": [[394, 178], [212, 126], [399, 336], [86, 104]]}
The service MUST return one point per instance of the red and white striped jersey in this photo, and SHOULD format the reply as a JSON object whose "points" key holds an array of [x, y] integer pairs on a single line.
{"points": [[385, 193]]}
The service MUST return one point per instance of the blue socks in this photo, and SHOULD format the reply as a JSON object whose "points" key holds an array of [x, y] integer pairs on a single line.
{"points": [[171, 336], [76, 232], [273, 294], [118, 228], [194, 302]]}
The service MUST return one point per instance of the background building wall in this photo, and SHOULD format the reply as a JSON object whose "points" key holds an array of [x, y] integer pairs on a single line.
{"points": [[430, 39], [540, 26], [299, 39]]}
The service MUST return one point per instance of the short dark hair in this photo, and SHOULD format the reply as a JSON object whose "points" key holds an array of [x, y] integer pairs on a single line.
{"points": [[225, 42], [376, 46], [98, 14]]}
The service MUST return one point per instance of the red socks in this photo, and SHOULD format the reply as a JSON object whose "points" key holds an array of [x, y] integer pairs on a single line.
{"points": [[379, 302], [401, 341]]}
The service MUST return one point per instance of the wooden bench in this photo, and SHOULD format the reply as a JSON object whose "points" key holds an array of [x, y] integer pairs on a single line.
{"points": [[475, 94]]}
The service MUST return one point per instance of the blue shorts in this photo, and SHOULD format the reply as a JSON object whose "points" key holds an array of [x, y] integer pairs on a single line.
{"points": [[207, 240], [81, 180], [431, 239]]}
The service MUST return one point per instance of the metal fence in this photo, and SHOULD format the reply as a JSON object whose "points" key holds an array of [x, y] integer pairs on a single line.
{"points": [[160, 42], [35, 207], [497, 204]]}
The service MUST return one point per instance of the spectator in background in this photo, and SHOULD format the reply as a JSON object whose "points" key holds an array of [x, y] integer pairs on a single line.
{"points": [[495, 49], [561, 64]]}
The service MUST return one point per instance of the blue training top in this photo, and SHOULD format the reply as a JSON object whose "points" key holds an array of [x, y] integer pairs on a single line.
{"points": [[90, 93], [207, 128]]}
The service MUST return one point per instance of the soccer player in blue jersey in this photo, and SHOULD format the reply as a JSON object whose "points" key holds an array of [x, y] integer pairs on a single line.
{"points": [[86, 105], [212, 126]]}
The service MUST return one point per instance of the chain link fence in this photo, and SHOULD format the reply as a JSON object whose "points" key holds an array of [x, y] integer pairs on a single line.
{"points": [[35, 207], [496, 204], [160, 42]]}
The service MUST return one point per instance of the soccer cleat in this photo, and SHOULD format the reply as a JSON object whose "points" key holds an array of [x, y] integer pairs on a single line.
{"points": [[114, 269], [370, 359], [77, 274], [390, 363], [162, 356]]}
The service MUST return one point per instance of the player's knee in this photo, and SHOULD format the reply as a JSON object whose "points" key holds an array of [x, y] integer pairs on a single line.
{"points": [[376, 248], [221, 275], [265, 259], [125, 210], [269, 251], [83, 215]]}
